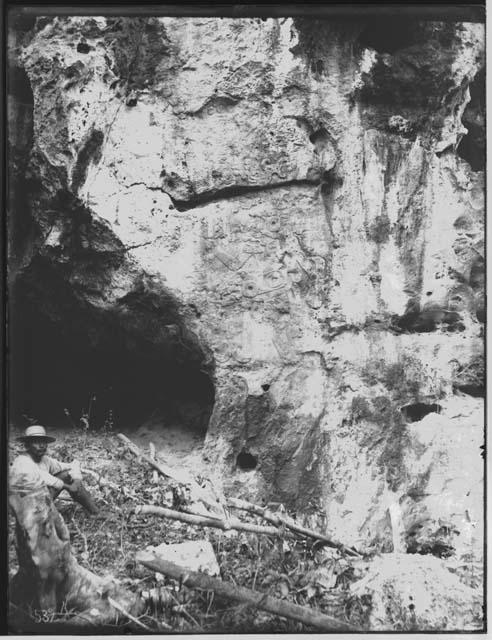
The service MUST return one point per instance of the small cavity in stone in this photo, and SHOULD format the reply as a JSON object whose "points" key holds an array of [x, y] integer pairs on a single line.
{"points": [[246, 461], [474, 390], [417, 411], [83, 47]]}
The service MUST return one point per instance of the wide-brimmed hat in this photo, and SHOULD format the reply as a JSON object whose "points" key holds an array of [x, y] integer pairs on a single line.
{"points": [[35, 431]]}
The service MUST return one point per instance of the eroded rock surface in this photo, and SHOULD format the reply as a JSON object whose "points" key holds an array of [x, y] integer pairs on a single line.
{"points": [[279, 203], [416, 593]]}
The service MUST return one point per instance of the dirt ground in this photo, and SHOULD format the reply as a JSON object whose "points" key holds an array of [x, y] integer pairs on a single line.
{"points": [[175, 445]]}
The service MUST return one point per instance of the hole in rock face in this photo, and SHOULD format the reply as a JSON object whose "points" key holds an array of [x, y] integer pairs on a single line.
{"points": [[265, 387], [417, 411], [422, 539], [428, 319], [437, 549], [474, 390], [68, 361], [319, 137], [83, 47], [388, 35], [472, 146], [246, 461]]}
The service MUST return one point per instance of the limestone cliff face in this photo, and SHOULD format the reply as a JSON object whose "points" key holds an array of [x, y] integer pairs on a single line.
{"points": [[294, 202]]}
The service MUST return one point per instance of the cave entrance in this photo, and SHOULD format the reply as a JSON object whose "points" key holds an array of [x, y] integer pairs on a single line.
{"points": [[472, 146], [70, 367], [389, 35]]}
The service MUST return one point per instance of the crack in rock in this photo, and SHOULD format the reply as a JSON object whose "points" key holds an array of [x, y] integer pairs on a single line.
{"points": [[226, 193], [141, 244]]}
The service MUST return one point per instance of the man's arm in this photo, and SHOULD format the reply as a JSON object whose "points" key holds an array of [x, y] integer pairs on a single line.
{"points": [[50, 468], [54, 466], [50, 480]]}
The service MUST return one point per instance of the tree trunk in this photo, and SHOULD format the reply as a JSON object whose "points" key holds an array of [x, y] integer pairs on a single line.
{"points": [[197, 580], [49, 578]]}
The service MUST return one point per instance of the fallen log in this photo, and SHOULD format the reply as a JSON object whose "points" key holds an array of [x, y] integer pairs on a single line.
{"points": [[279, 520], [169, 472], [263, 601], [206, 521]]}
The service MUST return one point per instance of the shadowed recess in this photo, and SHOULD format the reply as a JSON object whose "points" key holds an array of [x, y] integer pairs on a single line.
{"points": [[472, 145], [246, 461], [417, 411], [70, 361], [388, 35]]}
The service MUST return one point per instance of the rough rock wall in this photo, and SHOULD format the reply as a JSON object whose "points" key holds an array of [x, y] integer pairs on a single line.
{"points": [[288, 195]]}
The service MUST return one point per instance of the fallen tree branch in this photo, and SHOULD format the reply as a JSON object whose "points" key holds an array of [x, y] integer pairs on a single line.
{"points": [[205, 521], [168, 471], [279, 520], [200, 514], [219, 506], [127, 614], [241, 594], [155, 477], [101, 481]]}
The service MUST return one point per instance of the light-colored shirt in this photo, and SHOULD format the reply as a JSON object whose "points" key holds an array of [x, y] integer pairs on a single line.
{"points": [[26, 473]]}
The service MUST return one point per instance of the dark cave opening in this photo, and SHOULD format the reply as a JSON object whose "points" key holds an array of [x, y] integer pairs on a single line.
{"points": [[415, 412], [246, 461], [472, 146], [388, 35], [79, 365]]}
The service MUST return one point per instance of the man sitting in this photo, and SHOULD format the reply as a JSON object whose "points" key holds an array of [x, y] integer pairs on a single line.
{"points": [[35, 467]]}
